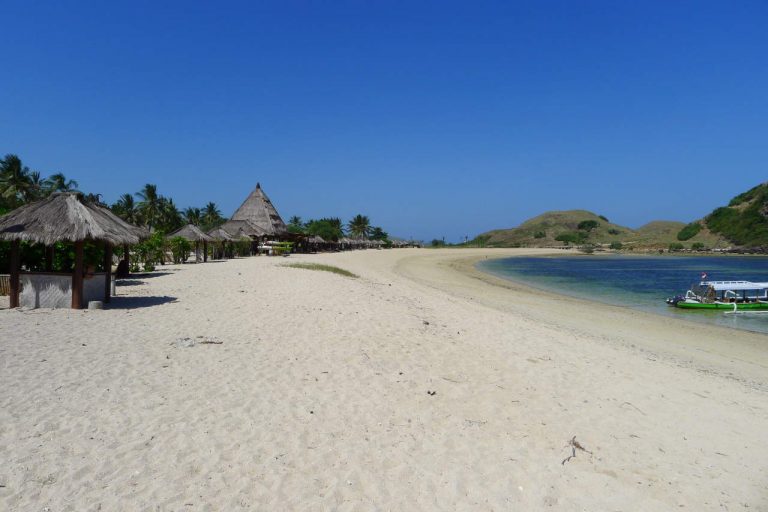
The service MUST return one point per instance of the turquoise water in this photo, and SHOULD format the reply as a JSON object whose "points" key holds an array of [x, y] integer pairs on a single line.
{"points": [[640, 282]]}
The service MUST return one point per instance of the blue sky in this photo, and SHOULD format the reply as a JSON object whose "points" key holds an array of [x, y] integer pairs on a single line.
{"points": [[433, 118]]}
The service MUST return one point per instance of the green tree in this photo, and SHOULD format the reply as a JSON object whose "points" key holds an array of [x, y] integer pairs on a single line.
{"points": [[59, 183], [193, 216], [378, 234], [588, 225], [170, 218], [689, 231], [149, 205], [15, 183], [295, 225], [211, 216], [125, 208], [327, 228], [180, 248], [359, 226]]}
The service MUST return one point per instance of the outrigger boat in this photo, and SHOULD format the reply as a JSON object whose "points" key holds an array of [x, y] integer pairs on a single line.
{"points": [[725, 295]]}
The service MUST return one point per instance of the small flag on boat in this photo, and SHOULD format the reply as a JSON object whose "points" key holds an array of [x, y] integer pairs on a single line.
{"points": [[703, 275]]}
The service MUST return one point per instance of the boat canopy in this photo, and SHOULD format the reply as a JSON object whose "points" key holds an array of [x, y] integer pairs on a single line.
{"points": [[733, 285]]}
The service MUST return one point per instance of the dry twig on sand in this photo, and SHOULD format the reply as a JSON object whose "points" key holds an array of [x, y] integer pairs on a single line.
{"points": [[575, 445]]}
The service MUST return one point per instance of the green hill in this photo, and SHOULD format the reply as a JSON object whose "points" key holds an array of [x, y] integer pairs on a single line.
{"points": [[555, 228], [745, 220]]}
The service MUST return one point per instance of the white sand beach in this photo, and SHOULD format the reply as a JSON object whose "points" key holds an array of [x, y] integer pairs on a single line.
{"points": [[420, 385]]}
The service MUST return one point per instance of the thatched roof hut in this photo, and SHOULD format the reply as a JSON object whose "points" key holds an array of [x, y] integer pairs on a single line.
{"points": [[259, 211], [194, 234], [317, 239], [191, 233], [220, 235], [64, 217]]}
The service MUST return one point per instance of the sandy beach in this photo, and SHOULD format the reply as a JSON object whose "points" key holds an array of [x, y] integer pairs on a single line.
{"points": [[421, 385]]}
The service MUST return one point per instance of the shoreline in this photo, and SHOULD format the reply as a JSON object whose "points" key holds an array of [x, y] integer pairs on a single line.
{"points": [[738, 354]]}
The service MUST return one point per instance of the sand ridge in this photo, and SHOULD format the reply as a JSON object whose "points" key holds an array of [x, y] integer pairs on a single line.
{"points": [[404, 389]]}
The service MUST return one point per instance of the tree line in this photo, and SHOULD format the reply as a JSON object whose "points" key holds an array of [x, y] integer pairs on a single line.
{"points": [[20, 185], [331, 229]]}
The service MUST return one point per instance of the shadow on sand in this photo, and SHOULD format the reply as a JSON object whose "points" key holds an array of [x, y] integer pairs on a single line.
{"points": [[146, 275], [139, 302]]}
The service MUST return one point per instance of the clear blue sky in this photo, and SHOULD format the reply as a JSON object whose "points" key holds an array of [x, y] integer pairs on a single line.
{"points": [[434, 118]]}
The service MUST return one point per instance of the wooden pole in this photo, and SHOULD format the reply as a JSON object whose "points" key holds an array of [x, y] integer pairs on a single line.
{"points": [[77, 277], [14, 271], [205, 251], [107, 272], [49, 258], [127, 257]]}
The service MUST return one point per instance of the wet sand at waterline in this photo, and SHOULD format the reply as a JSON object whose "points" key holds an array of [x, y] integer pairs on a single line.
{"points": [[421, 385]]}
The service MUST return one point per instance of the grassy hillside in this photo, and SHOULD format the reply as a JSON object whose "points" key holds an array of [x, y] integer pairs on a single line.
{"points": [[555, 228], [745, 220], [544, 231]]}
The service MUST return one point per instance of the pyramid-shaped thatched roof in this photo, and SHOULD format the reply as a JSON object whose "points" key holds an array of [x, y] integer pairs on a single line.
{"points": [[191, 233], [241, 228], [259, 211], [67, 217]]}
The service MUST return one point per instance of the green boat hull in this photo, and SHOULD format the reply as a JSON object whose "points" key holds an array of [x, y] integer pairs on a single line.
{"points": [[726, 306]]}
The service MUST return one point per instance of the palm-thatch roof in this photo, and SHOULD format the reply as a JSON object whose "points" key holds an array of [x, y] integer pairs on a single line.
{"points": [[191, 233], [258, 210], [317, 239], [241, 228], [221, 235], [66, 217]]}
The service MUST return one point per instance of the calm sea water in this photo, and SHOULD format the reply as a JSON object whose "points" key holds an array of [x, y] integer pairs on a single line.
{"points": [[641, 282]]}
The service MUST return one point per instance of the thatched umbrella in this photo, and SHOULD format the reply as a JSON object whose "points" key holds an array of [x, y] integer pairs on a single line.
{"points": [[65, 217], [222, 237], [192, 233]]}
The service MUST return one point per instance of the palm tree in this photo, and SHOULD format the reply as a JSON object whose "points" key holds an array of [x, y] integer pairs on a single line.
{"points": [[378, 234], [359, 226], [170, 216], [59, 183], [149, 206], [37, 184], [125, 208], [211, 216], [15, 185], [295, 225], [193, 216]]}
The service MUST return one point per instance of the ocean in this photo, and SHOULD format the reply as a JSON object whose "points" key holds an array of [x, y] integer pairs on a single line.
{"points": [[640, 282]]}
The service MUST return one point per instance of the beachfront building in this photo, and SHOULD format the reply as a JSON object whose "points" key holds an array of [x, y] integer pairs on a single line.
{"points": [[63, 217], [258, 210], [257, 219]]}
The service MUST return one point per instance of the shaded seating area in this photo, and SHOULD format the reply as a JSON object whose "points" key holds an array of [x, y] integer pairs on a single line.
{"points": [[194, 235], [223, 243], [64, 218]]}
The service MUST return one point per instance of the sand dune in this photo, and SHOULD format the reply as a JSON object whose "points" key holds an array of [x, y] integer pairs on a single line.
{"points": [[419, 386]]}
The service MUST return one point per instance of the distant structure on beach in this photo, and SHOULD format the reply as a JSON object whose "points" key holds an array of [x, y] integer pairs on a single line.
{"points": [[258, 211]]}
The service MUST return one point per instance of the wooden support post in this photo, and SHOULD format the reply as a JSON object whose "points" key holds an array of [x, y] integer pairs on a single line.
{"points": [[205, 251], [49, 257], [77, 277], [107, 272], [127, 256], [14, 271]]}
